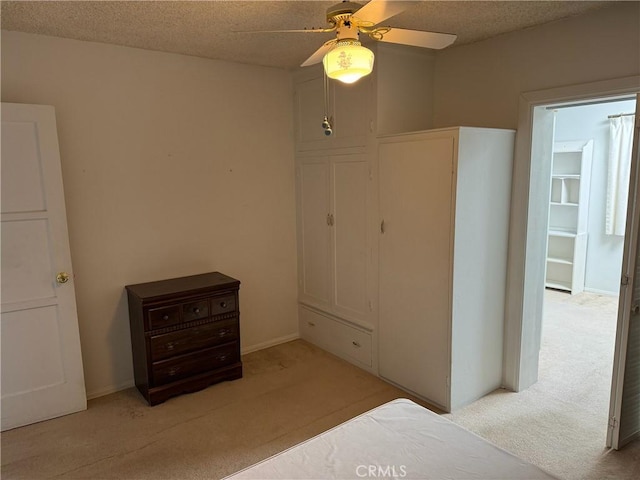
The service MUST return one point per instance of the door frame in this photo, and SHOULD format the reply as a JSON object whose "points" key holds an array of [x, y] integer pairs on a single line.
{"points": [[525, 268], [625, 313]]}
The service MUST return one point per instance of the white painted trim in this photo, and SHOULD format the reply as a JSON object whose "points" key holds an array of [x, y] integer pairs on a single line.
{"points": [[270, 343], [518, 304], [101, 392], [601, 292]]}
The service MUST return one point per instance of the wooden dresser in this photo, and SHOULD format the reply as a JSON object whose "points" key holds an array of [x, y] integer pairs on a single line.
{"points": [[185, 334]]}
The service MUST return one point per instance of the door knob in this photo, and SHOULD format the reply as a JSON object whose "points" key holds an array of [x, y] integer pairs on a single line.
{"points": [[62, 277]]}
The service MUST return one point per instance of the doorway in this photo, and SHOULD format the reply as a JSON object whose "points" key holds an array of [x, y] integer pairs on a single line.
{"points": [[528, 234], [584, 253]]}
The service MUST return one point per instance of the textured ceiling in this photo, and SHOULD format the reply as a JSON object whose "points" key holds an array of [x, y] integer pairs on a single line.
{"points": [[210, 28]]}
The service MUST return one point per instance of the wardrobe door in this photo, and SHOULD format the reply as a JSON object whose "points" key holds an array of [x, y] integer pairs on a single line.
{"points": [[313, 231], [416, 264], [350, 180]]}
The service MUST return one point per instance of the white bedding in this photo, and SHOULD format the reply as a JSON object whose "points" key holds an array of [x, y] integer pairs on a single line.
{"points": [[399, 439]]}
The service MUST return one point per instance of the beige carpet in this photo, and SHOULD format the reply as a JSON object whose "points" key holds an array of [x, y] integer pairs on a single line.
{"points": [[288, 394], [295, 390], [560, 423]]}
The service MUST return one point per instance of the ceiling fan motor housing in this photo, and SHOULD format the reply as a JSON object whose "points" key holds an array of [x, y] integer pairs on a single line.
{"points": [[341, 12]]}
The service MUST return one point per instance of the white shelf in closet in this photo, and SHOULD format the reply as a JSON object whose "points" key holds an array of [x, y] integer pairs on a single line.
{"points": [[561, 233], [568, 215]]}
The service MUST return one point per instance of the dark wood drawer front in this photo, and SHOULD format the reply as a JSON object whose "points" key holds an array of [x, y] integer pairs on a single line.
{"points": [[163, 317], [195, 310], [194, 338], [221, 305], [202, 361]]}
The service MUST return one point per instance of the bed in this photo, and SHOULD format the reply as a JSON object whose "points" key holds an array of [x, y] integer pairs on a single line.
{"points": [[399, 439]]}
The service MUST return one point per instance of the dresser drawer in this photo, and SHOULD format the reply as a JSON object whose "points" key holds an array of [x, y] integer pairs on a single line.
{"points": [[224, 304], [195, 310], [184, 366], [163, 317], [194, 338]]}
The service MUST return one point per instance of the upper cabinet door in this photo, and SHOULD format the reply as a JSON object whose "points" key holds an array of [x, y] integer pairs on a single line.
{"points": [[313, 231], [309, 115], [347, 107]]}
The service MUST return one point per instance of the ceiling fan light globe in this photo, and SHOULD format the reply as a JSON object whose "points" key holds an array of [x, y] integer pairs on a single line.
{"points": [[348, 61]]}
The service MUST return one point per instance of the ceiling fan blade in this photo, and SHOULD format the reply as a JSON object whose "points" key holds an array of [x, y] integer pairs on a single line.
{"points": [[376, 11], [303, 30], [418, 38], [319, 54]]}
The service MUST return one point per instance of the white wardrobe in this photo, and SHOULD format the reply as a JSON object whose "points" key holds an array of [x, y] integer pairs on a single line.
{"points": [[444, 210]]}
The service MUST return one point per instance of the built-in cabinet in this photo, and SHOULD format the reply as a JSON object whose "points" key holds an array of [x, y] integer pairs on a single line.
{"points": [[568, 215], [335, 265], [402, 238], [336, 179], [444, 212]]}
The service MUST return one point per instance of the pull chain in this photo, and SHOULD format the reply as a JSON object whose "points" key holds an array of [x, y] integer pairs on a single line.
{"points": [[326, 123]]}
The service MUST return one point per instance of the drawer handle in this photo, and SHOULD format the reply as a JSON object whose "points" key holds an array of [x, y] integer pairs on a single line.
{"points": [[224, 332], [223, 304], [311, 324], [222, 358], [196, 310], [173, 371], [165, 317], [170, 346], [356, 344]]}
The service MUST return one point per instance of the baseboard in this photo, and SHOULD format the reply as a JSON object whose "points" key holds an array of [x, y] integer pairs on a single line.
{"points": [[601, 292], [110, 389], [270, 343]]}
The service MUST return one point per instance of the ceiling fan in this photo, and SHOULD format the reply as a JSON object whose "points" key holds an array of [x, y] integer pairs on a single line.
{"points": [[344, 57]]}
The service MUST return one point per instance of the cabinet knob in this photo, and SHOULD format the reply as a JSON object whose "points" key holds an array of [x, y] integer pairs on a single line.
{"points": [[222, 358], [223, 333], [165, 317], [356, 344], [311, 324], [170, 346], [196, 310], [173, 371], [223, 304]]}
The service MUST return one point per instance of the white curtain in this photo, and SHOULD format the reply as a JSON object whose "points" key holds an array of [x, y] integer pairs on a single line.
{"points": [[620, 145]]}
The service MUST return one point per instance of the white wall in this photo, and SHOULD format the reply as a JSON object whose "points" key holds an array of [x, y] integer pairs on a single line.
{"points": [[172, 165], [604, 252], [480, 84]]}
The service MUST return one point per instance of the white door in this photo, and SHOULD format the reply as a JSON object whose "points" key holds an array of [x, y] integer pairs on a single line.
{"points": [[624, 410], [42, 374], [415, 266]]}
